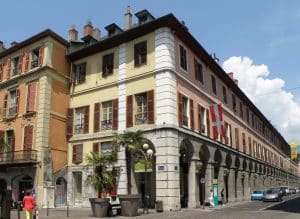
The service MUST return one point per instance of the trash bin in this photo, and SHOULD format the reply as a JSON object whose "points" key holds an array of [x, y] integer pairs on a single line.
{"points": [[159, 206]]}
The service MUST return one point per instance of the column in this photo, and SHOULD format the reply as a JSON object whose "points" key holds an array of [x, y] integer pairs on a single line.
{"points": [[192, 182]]}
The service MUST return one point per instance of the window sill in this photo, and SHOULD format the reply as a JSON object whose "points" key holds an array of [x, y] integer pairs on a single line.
{"points": [[29, 114]]}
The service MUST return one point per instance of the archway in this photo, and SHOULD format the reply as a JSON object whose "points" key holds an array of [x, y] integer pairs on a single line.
{"points": [[186, 152], [228, 163], [61, 192], [145, 174], [204, 156], [21, 184], [217, 163]]}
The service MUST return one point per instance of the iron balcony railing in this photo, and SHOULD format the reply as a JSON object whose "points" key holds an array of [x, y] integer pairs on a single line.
{"points": [[141, 118], [79, 129], [106, 124], [18, 156]]}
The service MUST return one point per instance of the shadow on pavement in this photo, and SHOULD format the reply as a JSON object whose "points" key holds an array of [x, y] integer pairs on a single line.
{"points": [[291, 206]]}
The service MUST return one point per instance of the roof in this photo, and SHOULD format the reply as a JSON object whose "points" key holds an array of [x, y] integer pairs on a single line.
{"points": [[43, 34], [182, 32]]}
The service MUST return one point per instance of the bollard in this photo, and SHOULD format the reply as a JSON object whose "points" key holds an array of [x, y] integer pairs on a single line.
{"points": [[18, 210], [68, 209]]}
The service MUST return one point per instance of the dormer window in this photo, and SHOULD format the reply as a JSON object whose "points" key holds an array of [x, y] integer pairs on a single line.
{"points": [[144, 16], [113, 29]]}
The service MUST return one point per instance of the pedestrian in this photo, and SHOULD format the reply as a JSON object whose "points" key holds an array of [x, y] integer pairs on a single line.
{"points": [[222, 197], [29, 205], [211, 198]]}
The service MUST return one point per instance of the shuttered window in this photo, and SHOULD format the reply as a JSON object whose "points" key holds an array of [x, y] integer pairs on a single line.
{"points": [[115, 105], [183, 58], [70, 118], [140, 54], [77, 154], [28, 136], [31, 95], [107, 64], [80, 73], [97, 117]]}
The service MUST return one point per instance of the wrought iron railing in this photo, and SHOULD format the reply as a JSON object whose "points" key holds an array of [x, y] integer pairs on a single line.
{"points": [[141, 118], [18, 156], [106, 124], [79, 129]]}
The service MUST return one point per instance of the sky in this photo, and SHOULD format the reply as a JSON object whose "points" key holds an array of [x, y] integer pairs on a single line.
{"points": [[257, 40]]}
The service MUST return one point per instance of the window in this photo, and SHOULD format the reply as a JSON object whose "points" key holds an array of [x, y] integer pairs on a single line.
{"points": [[247, 115], [107, 114], [198, 72], [228, 139], [241, 110], [202, 119], [233, 103], [213, 85], [80, 73], [253, 120], [16, 62], [236, 134], [225, 95], [79, 120], [11, 102], [35, 58], [141, 109], [183, 58], [106, 147], [10, 139], [107, 64], [254, 148], [185, 111], [244, 142], [140, 54], [77, 154], [31, 95]]}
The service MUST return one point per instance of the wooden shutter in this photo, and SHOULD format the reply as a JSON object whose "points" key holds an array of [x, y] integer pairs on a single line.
{"points": [[20, 67], [41, 55], [8, 68], [199, 118], [27, 60], [129, 109], [28, 134], [1, 71], [70, 117], [180, 109], [97, 117], [5, 105], [192, 114], [207, 123], [96, 147], [115, 106], [150, 106], [77, 154], [31, 97], [86, 119], [17, 101]]}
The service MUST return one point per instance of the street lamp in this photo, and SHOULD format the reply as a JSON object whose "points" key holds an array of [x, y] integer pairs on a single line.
{"points": [[148, 153]]}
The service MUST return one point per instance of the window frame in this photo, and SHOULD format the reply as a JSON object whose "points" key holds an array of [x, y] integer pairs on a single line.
{"points": [[140, 53], [224, 94], [183, 62], [80, 73], [199, 75], [214, 84], [107, 64]]}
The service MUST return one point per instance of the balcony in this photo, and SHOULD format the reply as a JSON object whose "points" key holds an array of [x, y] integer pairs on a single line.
{"points": [[106, 124], [18, 157], [141, 118]]}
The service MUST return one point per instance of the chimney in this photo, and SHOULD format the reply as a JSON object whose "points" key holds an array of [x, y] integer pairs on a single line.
{"points": [[128, 18], [73, 34], [88, 29], [96, 33], [13, 43], [1, 46], [230, 74]]}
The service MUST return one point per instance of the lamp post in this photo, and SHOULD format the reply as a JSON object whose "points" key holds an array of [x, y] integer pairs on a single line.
{"points": [[147, 153]]}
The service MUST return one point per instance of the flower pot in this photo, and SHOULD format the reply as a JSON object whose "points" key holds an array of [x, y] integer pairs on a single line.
{"points": [[130, 204], [99, 206]]}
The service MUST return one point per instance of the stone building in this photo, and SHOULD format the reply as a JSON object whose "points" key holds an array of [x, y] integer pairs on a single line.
{"points": [[34, 78], [155, 76]]}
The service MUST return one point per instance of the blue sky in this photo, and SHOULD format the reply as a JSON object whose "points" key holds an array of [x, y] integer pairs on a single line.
{"points": [[267, 32]]}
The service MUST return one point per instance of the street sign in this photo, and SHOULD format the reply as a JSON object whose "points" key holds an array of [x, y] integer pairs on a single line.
{"points": [[202, 180]]}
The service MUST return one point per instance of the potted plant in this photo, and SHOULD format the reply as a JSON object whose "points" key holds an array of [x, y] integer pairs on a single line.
{"points": [[132, 141], [104, 179]]}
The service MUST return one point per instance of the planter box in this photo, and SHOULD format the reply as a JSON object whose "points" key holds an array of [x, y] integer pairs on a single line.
{"points": [[130, 204], [99, 206]]}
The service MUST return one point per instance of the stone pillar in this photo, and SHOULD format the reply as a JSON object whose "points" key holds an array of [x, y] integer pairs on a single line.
{"points": [[231, 184], [221, 183], [209, 181], [192, 181], [122, 183], [239, 187]]}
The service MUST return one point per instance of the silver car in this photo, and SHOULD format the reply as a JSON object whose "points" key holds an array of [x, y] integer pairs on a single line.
{"points": [[272, 195]]}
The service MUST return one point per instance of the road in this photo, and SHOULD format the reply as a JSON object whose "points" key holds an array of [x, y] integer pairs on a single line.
{"points": [[288, 209]]}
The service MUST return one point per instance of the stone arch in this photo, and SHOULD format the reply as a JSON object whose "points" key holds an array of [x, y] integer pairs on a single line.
{"points": [[186, 151], [237, 162], [228, 161], [217, 163], [21, 184], [204, 153]]}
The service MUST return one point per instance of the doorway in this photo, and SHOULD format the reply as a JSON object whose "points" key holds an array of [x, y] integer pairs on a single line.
{"points": [[61, 192]]}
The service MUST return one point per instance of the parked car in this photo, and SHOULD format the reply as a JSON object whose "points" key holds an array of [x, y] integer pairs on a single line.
{"points": [[285, 190], [297, 190], [293, 190], [257, 195], [272, 195]]}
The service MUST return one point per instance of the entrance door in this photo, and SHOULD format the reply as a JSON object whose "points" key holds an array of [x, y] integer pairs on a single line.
{"points": [[25, 185], [77, 179], [61, 192]]}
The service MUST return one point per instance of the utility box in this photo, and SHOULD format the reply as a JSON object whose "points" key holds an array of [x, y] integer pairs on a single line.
{"points": [[159, 206]]}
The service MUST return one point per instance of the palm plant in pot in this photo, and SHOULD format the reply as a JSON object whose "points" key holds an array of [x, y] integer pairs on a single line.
{"points": [[132, 141], [103, 178]]}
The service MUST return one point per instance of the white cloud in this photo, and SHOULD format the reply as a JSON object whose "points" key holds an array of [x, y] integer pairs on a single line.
{"points": [[269, 95]]}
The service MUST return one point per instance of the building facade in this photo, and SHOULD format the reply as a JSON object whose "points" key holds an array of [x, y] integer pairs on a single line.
{"points": [[155, 77], [34, 87]]}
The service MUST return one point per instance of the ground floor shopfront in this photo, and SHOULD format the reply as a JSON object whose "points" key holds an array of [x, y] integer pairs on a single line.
{"points": [[180, 160]]}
